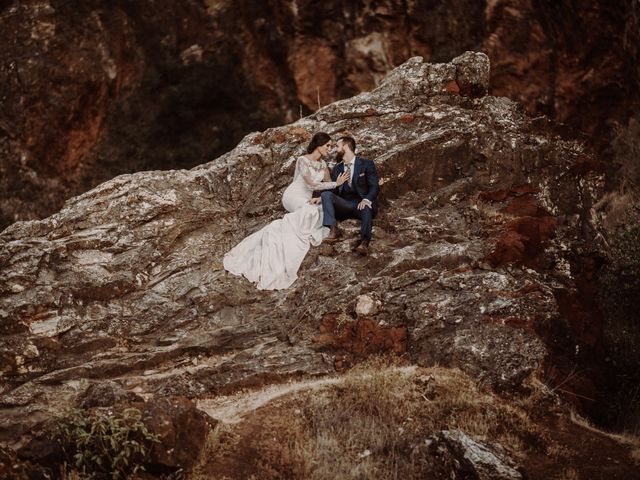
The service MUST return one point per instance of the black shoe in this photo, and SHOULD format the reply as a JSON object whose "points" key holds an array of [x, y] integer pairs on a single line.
{"points": [[355, 245], [363, 248], [334, 235]]}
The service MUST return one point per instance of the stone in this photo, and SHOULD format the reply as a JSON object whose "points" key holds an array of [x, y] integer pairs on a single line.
{"points": [[42, 450], [153, 77], [131, 274], [106, 394], [472, 73], [367, 306], [476, 459], [182, 430]]}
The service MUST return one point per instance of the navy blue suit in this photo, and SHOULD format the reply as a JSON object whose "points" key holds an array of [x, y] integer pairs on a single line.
{"points": [[342, 203]]}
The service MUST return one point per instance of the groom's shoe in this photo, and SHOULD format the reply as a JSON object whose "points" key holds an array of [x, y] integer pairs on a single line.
{"points": [[355, 245], [363, 248], [334, 235]]}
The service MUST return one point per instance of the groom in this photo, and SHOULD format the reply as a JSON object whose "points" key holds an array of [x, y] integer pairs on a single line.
{"points": [[356, 198]]}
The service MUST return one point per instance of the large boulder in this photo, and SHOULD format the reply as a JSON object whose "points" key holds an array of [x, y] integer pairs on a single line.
{"points": [[157, 93], [182, 431], [125, 284], [475, 459]]}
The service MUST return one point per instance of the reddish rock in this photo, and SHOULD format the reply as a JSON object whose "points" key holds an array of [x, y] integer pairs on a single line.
{"points": [[300, 134], [523, 241], [588, 163], [495, 195], [524, 189], [160, 93], [502, 194], [182, 431], [453, 87], [279, 137], [525, 237], [357, 339], [525, 206], [509, 248], [313, 62], [472, 74]]}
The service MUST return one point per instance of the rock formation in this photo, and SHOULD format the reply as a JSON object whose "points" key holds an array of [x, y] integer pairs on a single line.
{"points": [[94, 90], [482, 209]]}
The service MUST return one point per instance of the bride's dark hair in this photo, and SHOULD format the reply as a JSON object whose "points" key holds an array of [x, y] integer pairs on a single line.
{"points": [[318, 140]]}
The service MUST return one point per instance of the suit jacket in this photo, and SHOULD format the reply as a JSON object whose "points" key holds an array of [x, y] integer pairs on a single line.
{"points": [[365, 179]]}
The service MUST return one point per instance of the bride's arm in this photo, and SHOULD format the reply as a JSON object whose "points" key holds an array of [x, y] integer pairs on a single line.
{"points": [[305, 171]]}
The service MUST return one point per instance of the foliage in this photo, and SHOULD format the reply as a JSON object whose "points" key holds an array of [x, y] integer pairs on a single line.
{"points": [[104, 445], [620, 296]]}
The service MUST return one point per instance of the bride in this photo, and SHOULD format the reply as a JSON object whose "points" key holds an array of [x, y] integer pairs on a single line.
{"points": [[271, 256]]}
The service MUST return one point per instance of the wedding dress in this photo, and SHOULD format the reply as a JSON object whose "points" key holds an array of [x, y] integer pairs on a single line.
{"points": [[272, 256]]}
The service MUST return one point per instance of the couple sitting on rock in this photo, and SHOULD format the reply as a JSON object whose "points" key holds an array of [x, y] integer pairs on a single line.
{"points": [[272, 256]]}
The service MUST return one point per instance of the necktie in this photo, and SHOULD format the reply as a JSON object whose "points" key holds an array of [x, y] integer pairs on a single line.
{"points": [[348, 170]]}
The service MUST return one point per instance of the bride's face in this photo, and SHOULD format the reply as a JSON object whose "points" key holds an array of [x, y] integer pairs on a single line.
{"points": [[326, 148]]}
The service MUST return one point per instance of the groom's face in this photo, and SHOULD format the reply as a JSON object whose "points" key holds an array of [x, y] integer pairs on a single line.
{"points": [[339, 151]]}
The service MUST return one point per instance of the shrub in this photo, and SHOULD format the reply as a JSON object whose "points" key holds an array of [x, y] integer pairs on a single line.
{"points": [[104, 445], [620, 296]]}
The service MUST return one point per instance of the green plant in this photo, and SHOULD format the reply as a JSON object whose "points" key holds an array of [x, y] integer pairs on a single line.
{"points": [[104, 445]]}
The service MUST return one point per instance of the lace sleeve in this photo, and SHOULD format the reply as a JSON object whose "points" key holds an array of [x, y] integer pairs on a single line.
{"points": [[304, 170]]}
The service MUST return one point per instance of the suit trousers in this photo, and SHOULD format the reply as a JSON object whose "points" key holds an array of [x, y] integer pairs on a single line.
{"points": [[336, 208]]}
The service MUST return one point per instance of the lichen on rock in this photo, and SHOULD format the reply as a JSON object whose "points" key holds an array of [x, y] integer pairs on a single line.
{"points": [[128, 280]]}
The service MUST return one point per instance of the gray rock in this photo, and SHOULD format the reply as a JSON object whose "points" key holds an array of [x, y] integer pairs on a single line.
{"points": [[107, 394], [125, 283], [476, 459], [472, 73]]}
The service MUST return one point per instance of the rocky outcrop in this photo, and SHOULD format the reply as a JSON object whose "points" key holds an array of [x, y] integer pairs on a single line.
{"points": [[96, 90], [474, 459], [125, 284]]}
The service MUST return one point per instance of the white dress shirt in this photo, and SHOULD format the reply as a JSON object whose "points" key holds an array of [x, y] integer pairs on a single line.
{"points": [[350, 165]]}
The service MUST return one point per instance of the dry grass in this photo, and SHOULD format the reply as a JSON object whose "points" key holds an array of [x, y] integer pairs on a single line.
{"points": [[375, 423], [569, 474], [624, 438]]}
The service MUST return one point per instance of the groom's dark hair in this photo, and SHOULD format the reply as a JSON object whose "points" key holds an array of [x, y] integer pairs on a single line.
{"points": [[349, 141]]}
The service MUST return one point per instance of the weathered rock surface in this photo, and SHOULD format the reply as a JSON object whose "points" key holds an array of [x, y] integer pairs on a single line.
{"points": [[181, 429], [93, 90], [125, 284], [12, 468], [475, 459]]}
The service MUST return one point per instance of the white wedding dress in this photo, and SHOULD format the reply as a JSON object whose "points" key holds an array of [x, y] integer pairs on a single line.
{"points": [[272, 256]]}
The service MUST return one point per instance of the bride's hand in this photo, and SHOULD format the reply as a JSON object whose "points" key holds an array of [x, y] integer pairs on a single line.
{"points": [[315, 201], [342, 178]]}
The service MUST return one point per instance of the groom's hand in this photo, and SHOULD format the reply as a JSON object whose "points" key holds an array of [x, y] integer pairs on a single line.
{"points": [[364, 203], [315, 201]]}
